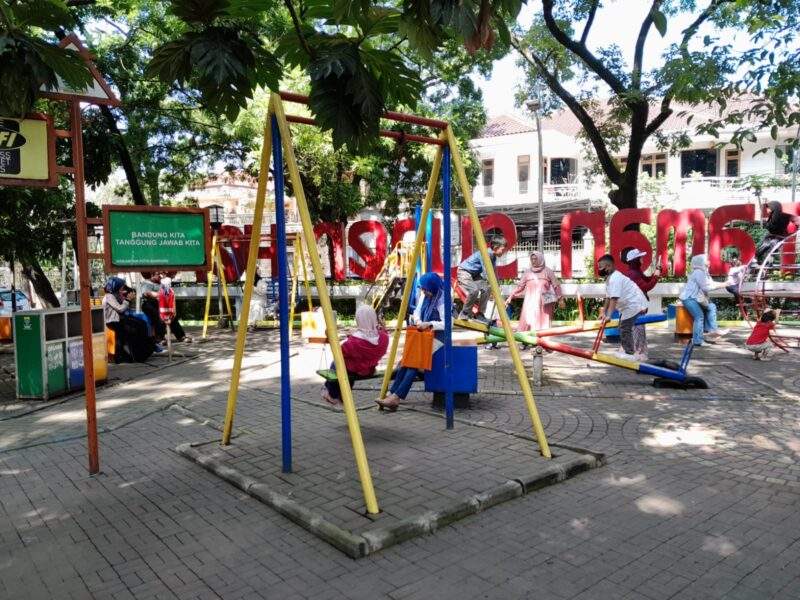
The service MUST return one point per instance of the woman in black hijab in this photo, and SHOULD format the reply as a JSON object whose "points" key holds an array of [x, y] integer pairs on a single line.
{"points": [[779, 225]]}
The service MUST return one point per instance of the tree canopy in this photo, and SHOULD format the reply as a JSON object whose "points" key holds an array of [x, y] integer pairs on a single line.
{"points": [[697, 69]]}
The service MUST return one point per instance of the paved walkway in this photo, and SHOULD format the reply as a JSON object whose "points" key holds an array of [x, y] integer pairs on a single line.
{"points": [[699, 498]]}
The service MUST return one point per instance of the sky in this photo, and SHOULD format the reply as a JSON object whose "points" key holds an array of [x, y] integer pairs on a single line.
{"points": [[617, 22]]}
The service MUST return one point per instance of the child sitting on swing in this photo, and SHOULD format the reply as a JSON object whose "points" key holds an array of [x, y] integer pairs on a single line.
{"points": [[362, 352]]}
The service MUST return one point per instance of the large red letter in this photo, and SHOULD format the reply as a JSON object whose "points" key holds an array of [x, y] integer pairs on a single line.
{"points": [[335, 233], [373, 262], [595, 222], [681, 221], [622, 238], [490, 221], [720, 236]]}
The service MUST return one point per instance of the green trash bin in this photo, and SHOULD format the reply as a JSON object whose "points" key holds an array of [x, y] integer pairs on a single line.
{"points": [[41, 340]]}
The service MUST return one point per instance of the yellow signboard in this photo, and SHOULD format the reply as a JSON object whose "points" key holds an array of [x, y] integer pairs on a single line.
{"points": [[27, 152]]}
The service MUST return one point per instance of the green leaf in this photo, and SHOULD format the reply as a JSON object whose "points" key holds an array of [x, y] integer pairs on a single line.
{"points": [[171, 62], [345, 96], [349, 10], [246, 9], [660, 21], [199, 12], [773, 133], [67, 64], [47, 14]]}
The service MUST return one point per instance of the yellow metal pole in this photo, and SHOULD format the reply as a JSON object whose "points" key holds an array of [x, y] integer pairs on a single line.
{"points": [[295, 267], [305, 277], [252, 259], [209, 284], [353, 426], [426, 206], [224, 286], [498, 299]]}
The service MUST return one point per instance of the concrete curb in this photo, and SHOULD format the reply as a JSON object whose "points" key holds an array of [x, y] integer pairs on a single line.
{"points": [[374, 539]]}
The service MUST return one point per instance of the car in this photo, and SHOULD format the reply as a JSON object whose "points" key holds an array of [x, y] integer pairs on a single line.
{"points": [[23, 303]]}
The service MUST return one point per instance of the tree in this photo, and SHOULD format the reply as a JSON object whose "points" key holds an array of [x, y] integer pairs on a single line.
{"points": [[31, 230], [556, 51], [354, 53]]}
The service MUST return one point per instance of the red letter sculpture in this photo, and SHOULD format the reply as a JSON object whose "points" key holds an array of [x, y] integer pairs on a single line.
{"points": [[720, 236], [681, 221], [373, 261], [335, 233], [595, 222]]}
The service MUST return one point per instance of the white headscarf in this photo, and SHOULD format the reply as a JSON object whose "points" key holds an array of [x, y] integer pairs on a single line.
{"points": [[700, 261], [367, 324]]}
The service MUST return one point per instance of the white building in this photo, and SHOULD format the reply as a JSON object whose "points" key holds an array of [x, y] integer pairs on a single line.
{"points": [[699, 176]]}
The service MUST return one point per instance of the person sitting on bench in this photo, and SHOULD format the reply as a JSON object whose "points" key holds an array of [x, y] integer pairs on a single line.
{"points": [[362, 352], [429, 314]]}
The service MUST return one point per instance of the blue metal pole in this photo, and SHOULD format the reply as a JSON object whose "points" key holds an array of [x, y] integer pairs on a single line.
{"points": [[283, 300], [429, 243], [448, 300]]}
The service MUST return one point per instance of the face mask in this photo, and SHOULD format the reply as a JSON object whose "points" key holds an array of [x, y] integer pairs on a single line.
{"points": [[604, 272]]}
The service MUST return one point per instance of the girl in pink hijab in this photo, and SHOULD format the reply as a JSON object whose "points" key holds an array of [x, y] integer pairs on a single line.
{"points": [[542, 291]]}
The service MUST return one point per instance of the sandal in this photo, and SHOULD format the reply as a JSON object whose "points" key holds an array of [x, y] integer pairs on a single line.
{"points": [[383, 405], [328, 398]]}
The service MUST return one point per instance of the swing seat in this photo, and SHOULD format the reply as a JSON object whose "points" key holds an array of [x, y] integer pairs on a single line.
{"points": [[330, 375]]}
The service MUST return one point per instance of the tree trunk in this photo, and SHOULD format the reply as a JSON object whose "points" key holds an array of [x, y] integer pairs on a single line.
{"points": [[626, 195], [32, 271], [124, 157]]}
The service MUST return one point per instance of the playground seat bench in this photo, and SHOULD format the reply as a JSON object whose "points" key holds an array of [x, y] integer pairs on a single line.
{"points": [[330, 375]]}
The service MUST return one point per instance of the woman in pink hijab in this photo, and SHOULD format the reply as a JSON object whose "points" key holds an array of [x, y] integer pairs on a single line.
{"points": [[542, 291]]}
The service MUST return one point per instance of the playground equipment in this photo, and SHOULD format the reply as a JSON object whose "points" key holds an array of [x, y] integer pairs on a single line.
{"points": [[773, 284], [391, 278], [666, 374], [299, 263], [216, 263], [278, 143]]}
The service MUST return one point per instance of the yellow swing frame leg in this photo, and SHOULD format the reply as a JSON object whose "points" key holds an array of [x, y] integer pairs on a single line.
{"points": [[209, 283], [224, 286], [522, 376], [411, 267], [362, 465], [252, 258], [299, 259]]}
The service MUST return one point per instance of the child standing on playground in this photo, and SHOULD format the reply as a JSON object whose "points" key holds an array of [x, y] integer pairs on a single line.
{"points": [[471, 276], [624, 295], [362, 352], [759, 343], [429, 314]]}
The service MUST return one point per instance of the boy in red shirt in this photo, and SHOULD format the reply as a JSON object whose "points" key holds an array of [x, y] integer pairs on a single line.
{"points": [[759, 342]]}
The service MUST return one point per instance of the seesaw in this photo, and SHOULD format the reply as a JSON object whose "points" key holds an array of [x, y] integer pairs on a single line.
{"points": [[667, 374]]}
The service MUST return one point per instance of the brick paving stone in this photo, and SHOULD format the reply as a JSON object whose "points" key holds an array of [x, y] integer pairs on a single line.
{"points": [[698, 489]]}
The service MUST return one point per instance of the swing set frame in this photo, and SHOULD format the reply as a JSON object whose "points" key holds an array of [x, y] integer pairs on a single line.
{"points": [[278, 145]]}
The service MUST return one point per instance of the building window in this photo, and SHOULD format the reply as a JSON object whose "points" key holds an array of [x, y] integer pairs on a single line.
{"points": [[731, 163], [699, 161], [655, 165], [563, 170], [523, 172], [487, 177]]}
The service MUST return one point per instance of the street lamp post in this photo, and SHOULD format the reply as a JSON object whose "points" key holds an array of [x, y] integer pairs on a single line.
{"points": [[216, 218], [534, 106]]}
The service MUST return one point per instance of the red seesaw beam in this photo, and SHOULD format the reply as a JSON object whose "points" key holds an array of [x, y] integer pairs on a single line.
{"points": [[389, 114], [397, 135]]}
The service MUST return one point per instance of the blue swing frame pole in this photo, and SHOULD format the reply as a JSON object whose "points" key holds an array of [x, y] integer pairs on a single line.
{"points": [[283, 299], [448, 289]]}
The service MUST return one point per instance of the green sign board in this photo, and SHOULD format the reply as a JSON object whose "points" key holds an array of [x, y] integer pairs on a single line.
{"points": [[138, 237]]}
